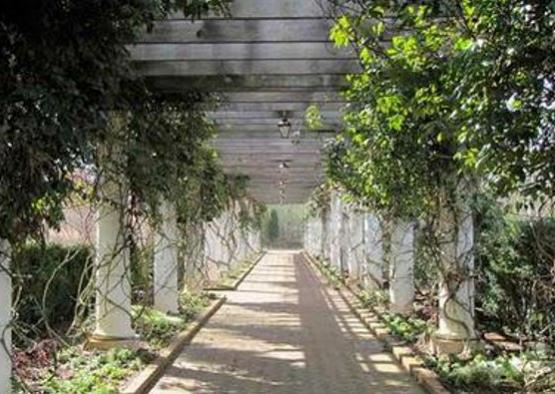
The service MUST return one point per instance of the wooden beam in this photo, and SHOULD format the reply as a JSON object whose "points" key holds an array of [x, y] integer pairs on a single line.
{"points": [[240, 83], [265, 124], [273, 135], [279, 107], [239, 51], [267, 130], [271, 9], [283, 97], [238, 30], [274, 115], [247, 67]]}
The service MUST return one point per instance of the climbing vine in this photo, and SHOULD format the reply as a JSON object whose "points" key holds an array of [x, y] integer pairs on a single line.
{"points": [[448, 90], [57, 100]]}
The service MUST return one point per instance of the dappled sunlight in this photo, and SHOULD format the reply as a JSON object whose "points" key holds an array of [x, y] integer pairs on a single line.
{"points": [[284, 331]]}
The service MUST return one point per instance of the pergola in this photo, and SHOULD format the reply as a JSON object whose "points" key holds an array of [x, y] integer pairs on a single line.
{"points": [[270, 60]]}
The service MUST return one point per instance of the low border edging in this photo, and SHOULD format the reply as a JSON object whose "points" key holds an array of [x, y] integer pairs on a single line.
{"points": [[410, 360], [239, 280], [144, 380]]}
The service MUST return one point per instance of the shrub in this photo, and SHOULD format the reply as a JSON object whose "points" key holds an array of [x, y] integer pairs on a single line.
{"points": [[515, 275], [273, 227], [47, 281]]}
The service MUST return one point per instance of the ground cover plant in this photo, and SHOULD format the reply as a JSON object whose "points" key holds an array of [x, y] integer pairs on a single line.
{"points": [[64, 368], [231, 276]]}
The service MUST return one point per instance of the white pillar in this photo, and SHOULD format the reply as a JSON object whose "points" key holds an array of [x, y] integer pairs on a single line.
{"points": [[355, 236], [166, 291], [258, 242], [317, 240], [335, 219], [344, 241], [456, 292], [325, 241], [401, 268], [373, 237], [113, 286], [5, 318], [312, 236]]}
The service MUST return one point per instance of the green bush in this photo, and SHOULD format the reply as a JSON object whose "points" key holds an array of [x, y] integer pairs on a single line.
{"points": [[273, 227], [515, 275], [47, 280]]}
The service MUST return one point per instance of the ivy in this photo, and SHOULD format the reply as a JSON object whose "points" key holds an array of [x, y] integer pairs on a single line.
{"points": [[66, 70], [449, 91]]}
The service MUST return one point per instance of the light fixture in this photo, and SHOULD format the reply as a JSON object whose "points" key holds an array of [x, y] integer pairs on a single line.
{"points": [[284, 127]]}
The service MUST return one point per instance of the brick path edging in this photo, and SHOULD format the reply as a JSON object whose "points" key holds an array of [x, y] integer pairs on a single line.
{"points": [[147, 378], [405, 355], [239, 280]]}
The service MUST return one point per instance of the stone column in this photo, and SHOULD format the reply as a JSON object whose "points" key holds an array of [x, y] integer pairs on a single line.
{"points": [[374, 267], [259, 240], [306, 241], [344, 241], [311, 236], [317, 238], [113, 286], [211, 249], [5, 317], [166, 260], [456, 292], [355, 235], [325, 241], [335, 219], [401, 268]]}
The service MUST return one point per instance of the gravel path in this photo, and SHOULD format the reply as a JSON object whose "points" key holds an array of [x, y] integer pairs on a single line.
{"points": [[283, 331]]}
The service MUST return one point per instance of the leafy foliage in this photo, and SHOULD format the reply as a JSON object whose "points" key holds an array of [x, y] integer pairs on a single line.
{"points": [[65, 72], [49, 279], [515, 274], [96, 372], [494, 374], [410, 329], [446, 93], [159, 328]]}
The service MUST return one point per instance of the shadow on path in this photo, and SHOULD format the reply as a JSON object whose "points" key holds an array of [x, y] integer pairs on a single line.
{"points": [[283, 331]]}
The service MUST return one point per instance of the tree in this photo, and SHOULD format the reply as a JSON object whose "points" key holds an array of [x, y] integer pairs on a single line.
{"points": [[65, 70], [273, 226]]}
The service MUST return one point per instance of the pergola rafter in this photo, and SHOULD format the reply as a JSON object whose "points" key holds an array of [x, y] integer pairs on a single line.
{"points": [[269, 60]]}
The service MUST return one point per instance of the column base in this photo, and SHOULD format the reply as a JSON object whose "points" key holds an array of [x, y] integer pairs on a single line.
{"points": [[401, 310], [99, 342], [444, 344]]}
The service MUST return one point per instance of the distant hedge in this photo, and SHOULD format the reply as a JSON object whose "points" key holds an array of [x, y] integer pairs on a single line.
{"points": [[51, 272]]}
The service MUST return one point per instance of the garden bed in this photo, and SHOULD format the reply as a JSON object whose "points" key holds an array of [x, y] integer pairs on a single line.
{"points": [[491, 369], [53, 368], [235, 276]]}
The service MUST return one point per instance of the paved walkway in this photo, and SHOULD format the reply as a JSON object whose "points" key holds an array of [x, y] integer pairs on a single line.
{"points": [[283, 331]]}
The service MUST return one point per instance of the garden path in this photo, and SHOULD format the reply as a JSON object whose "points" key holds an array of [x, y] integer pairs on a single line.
{"points": [[284, 331]]}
